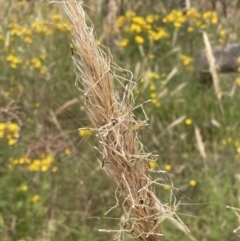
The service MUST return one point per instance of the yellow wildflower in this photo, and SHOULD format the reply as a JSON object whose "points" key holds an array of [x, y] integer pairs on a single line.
{"points": [[135, 28], [151, 74], [14, 60], [168, 167], [159, 34], [48, 159], [190, 29], [67, 151], [2, 126], [158, 104], [139, 39], [13, 127], [238, 80], [186, 59], [36, 63], [188, 121], [152, 164], [44, 168], [85, 132], [37, 105], [151, 56], [35, 198], [24, 160], [54, 169], [28, 40], [154, 101], [139, 20], [151, 18], [153, 95], [211, 17], [175, 17], [120, 21], [203, 26], [42, 56], [167, 187], [152, 87], [130, 14], [222, 32], [193, 13], [23, 188], [193, 183], [124, 42], [238, 150], [56, 17], [34, 166]]}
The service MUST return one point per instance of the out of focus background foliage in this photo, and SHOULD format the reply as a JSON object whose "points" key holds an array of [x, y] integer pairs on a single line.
{"points": [[51, 185]]}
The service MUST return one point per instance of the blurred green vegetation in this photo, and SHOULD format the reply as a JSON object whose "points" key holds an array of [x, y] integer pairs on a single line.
{"points": [[51, 186]]}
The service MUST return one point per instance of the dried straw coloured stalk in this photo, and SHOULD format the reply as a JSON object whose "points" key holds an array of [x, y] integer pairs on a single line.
{"points": [[124, 157]]}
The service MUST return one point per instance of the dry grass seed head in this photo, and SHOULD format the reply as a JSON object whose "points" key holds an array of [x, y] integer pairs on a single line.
{"points": [[111, 115]]}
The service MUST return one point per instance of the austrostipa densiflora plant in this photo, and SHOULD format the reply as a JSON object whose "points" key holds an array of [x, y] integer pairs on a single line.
{"points": [[110, 110]]}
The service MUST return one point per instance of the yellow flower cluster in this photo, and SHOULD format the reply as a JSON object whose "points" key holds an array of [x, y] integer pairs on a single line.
{"points": [[41, 27], [222, 34], [211, 17], [13, 60], [160, 33], [192, 13], [60, 23], [36, 63], [153, 75], [187, 61], [231, 142], [193, 17], [10, 131], [18, 30], [139, 39], [140, 27], [175, 17], [43, 164]]}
